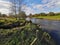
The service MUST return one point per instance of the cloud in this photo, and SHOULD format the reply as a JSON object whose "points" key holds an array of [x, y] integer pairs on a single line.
{"points": [[27, 10], [44, 6], [4, 11], [49, 4], [38, 7], [58, 4], [5, 6]]}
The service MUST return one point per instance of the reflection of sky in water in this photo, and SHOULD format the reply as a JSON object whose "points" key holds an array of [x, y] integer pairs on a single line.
{"points": [[48, 24], [28, 19]]}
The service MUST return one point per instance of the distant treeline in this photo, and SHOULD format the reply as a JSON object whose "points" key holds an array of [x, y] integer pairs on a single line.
{"points": [[21, 14], [46, 14]]}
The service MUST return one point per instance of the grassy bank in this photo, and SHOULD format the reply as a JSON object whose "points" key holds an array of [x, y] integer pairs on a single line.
{"points": [[8, 23], [24, 35], [49, 17]]}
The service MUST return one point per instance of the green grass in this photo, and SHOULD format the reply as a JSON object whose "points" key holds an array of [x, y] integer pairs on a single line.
{"points": [[49, 17], [10, 20]]}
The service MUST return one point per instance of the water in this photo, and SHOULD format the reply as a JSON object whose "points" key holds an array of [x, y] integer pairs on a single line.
{"points": [[47, 24], [51, 26]]}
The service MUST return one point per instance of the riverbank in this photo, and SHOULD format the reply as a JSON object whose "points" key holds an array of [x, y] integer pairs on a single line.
{"points": [[25, 35], [48, 17], [8, 23]]}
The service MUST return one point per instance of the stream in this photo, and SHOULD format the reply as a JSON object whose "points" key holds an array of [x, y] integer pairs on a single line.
{"points": [[50, 26]]}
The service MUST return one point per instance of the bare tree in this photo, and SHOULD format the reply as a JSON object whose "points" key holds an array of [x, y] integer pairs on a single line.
{"points": [[13, 8], [16, 7]]}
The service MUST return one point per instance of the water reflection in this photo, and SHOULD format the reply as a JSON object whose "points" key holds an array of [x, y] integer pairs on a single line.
{"points": [[47, 24]]}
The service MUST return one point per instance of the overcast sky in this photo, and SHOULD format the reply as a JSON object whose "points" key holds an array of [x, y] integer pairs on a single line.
{"points": [[32, 6]]}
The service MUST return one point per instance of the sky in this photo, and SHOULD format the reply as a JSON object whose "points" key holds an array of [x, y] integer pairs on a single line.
{"points": [[32, 6], [4, 6]]}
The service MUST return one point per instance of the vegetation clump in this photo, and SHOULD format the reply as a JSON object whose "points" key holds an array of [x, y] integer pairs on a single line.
{"points": [[25, 35]]}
